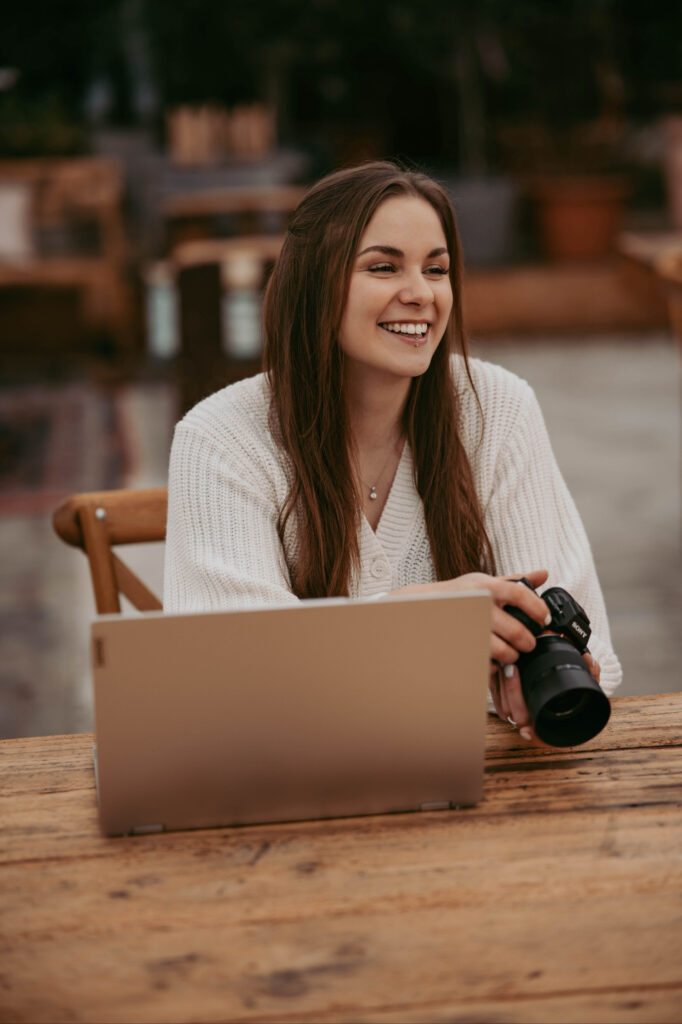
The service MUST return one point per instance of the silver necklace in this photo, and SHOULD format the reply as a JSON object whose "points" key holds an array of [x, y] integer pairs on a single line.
{"points": [[373, 488]]}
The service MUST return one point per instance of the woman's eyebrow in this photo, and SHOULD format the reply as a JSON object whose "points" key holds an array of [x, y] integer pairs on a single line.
{"points": [[389, 250]]}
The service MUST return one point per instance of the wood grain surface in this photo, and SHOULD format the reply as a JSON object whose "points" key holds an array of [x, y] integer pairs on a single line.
{"points": [[559, 897]]}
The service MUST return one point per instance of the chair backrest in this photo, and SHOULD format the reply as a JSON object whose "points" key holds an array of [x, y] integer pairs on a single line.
{"points": [[98, 521]]}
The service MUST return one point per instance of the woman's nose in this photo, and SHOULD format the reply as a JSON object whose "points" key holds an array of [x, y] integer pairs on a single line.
{"points": [[416, 290]]}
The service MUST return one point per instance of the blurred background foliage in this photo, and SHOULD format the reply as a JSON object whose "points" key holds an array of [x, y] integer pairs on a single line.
{"points": [[397, 77]]}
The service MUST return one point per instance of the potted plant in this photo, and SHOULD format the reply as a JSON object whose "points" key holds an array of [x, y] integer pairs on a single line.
{"points": [[564, 138], [578, 186]]}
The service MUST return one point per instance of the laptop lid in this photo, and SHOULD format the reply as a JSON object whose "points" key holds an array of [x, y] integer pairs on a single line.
{"points": [[321, 709]]}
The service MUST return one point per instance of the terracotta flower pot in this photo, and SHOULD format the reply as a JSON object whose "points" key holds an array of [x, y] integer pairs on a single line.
{"points": [[579, 217]]}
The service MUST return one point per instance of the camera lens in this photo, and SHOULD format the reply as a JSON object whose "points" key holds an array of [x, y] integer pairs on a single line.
{"points": [[566, 705]]}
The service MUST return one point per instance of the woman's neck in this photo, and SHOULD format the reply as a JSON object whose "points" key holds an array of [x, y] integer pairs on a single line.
{"points": [[376, 423], [376, 414]]}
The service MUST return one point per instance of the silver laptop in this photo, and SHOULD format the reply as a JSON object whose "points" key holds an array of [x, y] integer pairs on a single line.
{"points": [[322, 709]]}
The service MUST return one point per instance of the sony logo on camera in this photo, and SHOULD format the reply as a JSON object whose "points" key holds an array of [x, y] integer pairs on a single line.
{"points": [[575, 628], [568, 617]]}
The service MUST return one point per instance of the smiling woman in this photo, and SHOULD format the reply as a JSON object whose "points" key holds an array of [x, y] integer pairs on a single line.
{"points": [[374, 456], [399, 286]]}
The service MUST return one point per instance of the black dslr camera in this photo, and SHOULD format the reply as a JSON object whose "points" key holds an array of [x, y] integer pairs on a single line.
{"points": [[566, 705]]}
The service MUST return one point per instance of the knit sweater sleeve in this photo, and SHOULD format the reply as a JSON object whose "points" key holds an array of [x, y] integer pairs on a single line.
{"points": [[531, 518], [225, 488]]}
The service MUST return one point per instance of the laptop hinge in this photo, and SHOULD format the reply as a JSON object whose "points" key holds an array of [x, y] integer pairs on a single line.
{"points": [[435, 805], [143, 830]]}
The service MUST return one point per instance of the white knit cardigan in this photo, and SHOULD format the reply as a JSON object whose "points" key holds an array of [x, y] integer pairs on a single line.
{"points": [[229, 479]]}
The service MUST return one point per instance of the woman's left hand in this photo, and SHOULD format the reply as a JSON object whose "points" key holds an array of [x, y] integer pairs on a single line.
{"points": [[505, 688]]}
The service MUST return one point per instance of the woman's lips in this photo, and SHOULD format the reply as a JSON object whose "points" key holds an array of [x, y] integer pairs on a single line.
{"points": [[414, 340]]}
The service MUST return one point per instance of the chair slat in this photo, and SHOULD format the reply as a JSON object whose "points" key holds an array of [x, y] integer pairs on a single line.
{"points": [[132, 587]]}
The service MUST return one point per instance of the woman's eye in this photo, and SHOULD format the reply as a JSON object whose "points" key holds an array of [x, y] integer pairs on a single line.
{"points": [[439, 271], [381, 268]]}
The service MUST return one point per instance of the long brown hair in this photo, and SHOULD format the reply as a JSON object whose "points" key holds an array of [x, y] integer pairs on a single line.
{"points": [[304, 305]]}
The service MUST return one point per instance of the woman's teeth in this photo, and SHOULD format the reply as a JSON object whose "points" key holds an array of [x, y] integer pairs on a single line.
{"points": [[417, 329]]}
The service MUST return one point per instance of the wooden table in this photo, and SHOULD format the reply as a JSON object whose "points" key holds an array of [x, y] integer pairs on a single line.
{"points": [[558, 898], [255, 199], [190, 215]]}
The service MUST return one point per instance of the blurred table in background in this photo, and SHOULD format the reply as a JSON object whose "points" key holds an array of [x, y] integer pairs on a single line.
{"points": [[239, 211], [545, 300], [62, 231]]}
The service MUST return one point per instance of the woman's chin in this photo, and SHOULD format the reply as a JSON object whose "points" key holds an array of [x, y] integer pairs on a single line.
{"points": [[403, 367]]}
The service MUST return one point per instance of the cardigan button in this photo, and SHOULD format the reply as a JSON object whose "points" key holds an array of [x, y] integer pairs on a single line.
{"points": [[379, 568]]}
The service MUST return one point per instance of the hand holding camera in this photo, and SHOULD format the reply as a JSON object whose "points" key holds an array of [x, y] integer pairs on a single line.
{"points": [[545, 638], [566, 704]]}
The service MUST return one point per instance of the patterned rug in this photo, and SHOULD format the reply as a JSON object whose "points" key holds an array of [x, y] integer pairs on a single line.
{"points": [[56, 440]]}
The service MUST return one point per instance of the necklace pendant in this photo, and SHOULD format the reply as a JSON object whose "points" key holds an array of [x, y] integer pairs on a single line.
{"points": [[372, 494]]}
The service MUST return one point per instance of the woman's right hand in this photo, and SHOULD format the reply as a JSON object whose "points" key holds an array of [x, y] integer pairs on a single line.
{"points": [[509, 637]]}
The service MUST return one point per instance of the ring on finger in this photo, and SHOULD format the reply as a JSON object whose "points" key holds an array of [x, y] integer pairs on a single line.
{"points": [[511, 721]]}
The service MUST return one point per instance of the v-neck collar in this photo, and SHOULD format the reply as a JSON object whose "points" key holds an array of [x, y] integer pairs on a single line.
{"points": [[399, 510], [389, 495]]}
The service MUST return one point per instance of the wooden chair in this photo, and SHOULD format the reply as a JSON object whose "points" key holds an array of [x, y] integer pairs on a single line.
{"points": [[98, 521]]}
